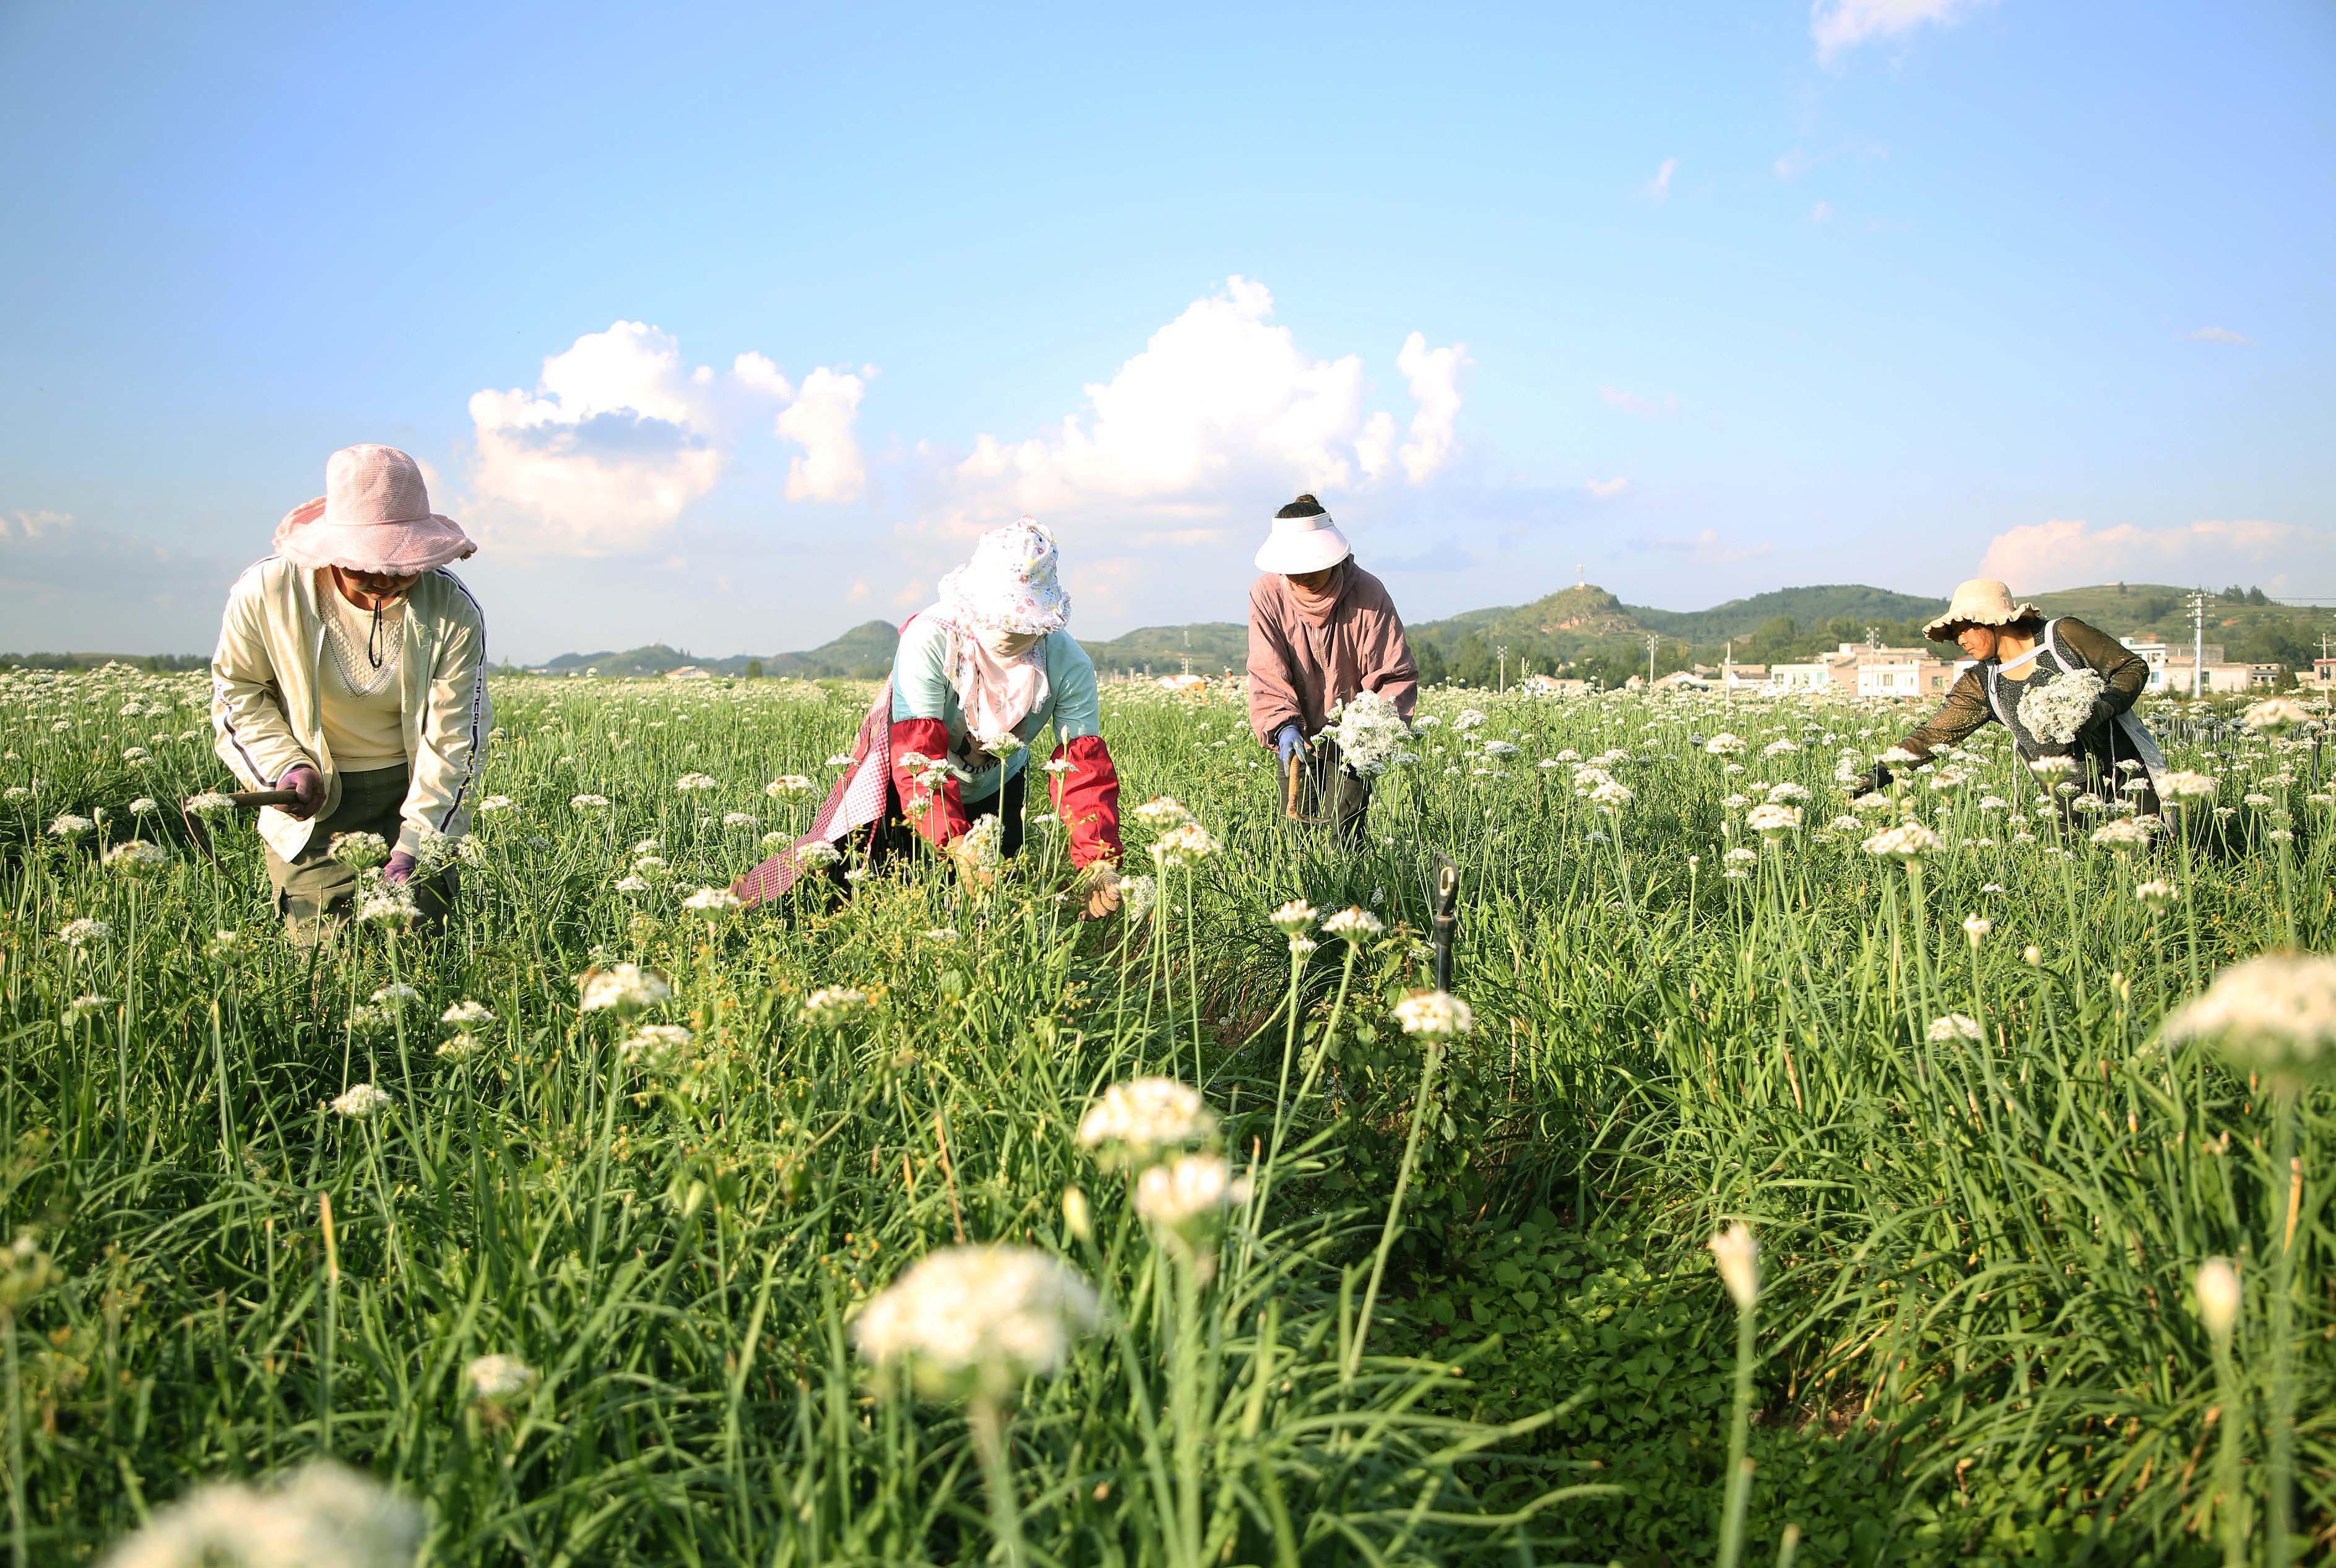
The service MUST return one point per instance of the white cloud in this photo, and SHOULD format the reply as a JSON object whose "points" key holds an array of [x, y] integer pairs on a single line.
{"points": [[819, 421], [25, 527], [1433, 375], [1606, 490], [1821, 213], [2064, 553], [1659, 189], [1839, 24], [2219, 335], [620, 438], [1630, 403], [1221, 402]]}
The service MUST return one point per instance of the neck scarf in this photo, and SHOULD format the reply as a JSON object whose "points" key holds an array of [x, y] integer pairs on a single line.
{"points": [[1320, 604]]}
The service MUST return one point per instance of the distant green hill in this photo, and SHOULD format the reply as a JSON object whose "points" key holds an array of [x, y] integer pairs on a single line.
{"points": [[863, 652], [1212, 646], [1806, 606], [1582, 629]]}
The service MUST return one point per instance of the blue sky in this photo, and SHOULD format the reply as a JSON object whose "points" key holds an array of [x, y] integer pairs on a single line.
{"points": [[1708, 299]]}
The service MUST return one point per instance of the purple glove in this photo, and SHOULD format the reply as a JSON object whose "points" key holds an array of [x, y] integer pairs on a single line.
{"points": [[399, 871], [1286, 741], [306, 783]]}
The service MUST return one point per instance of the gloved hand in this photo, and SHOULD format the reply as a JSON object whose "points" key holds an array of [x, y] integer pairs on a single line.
{"points": [[399, 871], [1098, 889], [306, 783], [1286, 741], [2101, 715], [970, 871], [1877, 779]]}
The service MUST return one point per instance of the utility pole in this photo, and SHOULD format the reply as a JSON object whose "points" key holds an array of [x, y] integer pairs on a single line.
{"points": [[2198, 643], [1728, 673], [1651, 641], [1503, 650]]}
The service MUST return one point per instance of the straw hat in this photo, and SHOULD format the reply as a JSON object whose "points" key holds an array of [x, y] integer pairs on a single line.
{"points": [[1010, 585], [374, 516], [1304, 539], [1981, 601]]}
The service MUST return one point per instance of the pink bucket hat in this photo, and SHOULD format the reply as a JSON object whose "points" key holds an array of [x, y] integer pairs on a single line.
{"points": [[374, 516]]}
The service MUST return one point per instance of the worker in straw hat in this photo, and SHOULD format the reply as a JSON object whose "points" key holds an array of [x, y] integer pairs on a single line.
{"points": [[2064, 689], [352, 671], [1321, 630], [978, 675]]}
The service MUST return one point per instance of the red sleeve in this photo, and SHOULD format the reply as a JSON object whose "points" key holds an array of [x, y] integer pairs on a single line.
{"points": [[1088, 799], [939, 816]]}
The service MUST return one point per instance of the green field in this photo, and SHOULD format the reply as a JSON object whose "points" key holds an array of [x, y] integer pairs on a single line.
{"points": [[1976, 1340]]}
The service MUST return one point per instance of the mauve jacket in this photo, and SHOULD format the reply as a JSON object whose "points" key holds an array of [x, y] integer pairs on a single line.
{"points": [[1298, 671]]}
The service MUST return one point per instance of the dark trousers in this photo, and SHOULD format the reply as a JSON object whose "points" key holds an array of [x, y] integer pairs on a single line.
{"points": [[312, 884], [1330, 789]]}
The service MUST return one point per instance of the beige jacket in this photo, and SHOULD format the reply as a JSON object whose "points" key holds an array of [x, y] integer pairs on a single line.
{"points": [[265, 713]]}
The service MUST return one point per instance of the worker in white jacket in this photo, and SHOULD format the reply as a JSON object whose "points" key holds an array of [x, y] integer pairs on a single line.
{"points": [[352, 670]]}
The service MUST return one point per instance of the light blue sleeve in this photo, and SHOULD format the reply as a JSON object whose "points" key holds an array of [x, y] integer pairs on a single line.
{"points": [[1071, 684], [920, 688]]}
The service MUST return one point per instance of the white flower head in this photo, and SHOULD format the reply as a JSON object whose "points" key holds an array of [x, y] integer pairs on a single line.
{"points": [[1738, 1257], [395, 995], [1184, 846], [2275, 716], [210, 803], [1294, 917], [2274, 1015], [1143, 1120], [817, 854], [695, 783], [359, 851], [623, 989], [589, 802], [323, 1516], [2217, 1284], [787, 784], [2122, 833], [467, 1015], [978, 1319], [362, 1101], [833, 1006], [499, 1379], [144, 806], [655, 1045], [70, 827], [1370, 733], [1187, 1195], [1354, 923], [1976, 928], [137, 857], [1954, 1027], [1161, 811], [1771, 820], [1437, 1014], [2181, 785], [1138, 895], [712, 903], [390, 906], [1907, 842]]}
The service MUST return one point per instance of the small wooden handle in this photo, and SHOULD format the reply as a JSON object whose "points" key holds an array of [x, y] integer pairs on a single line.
{"points": [[253, 799]]}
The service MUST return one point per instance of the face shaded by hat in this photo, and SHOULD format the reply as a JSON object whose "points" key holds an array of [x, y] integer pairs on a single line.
{"points": [[1304, 541], [374, 518], [1981, 602]]}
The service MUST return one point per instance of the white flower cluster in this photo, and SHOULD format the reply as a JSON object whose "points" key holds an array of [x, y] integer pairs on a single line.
{"points": [[359, 851], [323, 1517], [1437, 1014], [1144, 1119], [1908, 841], [361, 1101], [833, 1006], [2054, 711], [623, 989], [2275, 1014], [1369, 733], [978, 1319]]}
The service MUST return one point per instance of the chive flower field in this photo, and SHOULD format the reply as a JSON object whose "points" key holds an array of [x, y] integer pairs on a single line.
{"points": [[1941, 1176]]}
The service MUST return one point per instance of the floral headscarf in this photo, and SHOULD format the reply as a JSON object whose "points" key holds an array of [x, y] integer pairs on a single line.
{"points": [[1010, 588]]}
